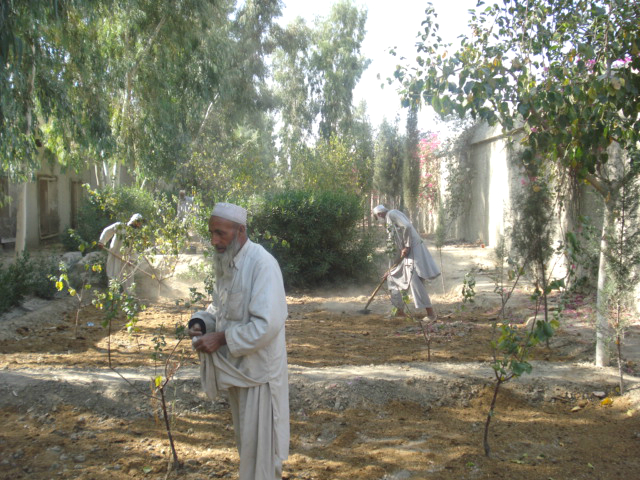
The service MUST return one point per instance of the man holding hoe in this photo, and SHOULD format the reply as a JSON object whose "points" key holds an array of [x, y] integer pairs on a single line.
{"points": [[416, 264], [119, 265]]}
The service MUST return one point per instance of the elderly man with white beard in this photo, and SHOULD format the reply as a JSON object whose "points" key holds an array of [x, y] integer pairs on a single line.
{"points": [[240, 340]]}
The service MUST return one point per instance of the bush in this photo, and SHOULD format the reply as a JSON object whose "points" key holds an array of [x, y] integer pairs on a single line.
{"points": [[38, 282], [313, 235], [26, 276], [13, 279]]}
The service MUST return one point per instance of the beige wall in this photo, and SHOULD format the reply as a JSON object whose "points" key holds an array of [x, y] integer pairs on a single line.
{"points": [[489, 183], [61, 194]]}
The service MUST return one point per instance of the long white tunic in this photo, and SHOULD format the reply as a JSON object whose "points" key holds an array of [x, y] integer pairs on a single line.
{"points": [[185, 207], [251, 309], [115, 267], [419, 260]]}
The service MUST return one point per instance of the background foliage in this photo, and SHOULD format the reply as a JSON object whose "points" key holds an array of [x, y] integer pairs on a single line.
{"points": [[314, 235]]}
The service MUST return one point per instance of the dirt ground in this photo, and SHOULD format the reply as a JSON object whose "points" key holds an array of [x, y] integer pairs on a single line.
{"points": [[370, 397]]}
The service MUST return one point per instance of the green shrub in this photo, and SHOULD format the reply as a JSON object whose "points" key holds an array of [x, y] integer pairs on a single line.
{"points": [[13, 279], [313, 235], [68, 239], [92, 219], [40, 269], [26, 276]]}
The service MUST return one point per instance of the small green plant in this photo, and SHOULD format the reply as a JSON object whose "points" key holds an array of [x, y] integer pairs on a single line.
{"points": [[511, 345], [62, 282], [115, 301], [511, 353], [469, 287], [441, 237]]}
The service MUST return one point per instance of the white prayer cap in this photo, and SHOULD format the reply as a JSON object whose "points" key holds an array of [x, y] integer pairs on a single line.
{"points": [[232, 212], [380, 209], [136, 217]]}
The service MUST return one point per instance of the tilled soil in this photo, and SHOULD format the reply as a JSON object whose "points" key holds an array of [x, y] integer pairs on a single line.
{"points": [[372, 397]]}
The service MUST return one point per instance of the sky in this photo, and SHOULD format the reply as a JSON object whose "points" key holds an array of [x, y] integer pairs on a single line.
{"points": [[389, 24]]}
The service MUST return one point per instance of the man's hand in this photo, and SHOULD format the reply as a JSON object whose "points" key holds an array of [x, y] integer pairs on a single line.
{"points": [[100, 246], [209, 342]]}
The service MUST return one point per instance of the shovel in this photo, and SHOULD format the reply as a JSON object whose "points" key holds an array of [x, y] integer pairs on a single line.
{"points": [[365, 310]]}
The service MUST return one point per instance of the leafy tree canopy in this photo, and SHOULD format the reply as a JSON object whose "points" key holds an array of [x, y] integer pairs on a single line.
{"points": [[565, 73]]}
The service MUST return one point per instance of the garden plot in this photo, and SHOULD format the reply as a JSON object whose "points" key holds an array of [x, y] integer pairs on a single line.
{"points": [[365, 402]]}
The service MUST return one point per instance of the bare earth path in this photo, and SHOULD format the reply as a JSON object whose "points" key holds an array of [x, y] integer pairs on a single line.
{"points": [[365, 401]]}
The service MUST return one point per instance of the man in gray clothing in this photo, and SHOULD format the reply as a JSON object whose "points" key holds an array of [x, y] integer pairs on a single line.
{"points": [[416, 263]]}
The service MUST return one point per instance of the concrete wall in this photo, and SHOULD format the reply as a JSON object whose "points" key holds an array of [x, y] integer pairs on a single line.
{"points": [[490, 182], [61, 195], [494, 179]]}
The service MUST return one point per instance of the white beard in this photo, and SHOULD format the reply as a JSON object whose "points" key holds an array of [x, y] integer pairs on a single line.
{"points": [[223, 263]]}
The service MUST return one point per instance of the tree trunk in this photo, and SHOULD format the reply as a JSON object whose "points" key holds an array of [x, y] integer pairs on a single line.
{"points": [[602, 324], [21, 220], [23, 196]]}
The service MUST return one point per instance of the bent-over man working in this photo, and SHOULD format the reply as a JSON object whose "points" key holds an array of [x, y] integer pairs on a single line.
{"points": [[240, 340], [416, 264], [120, 259]]}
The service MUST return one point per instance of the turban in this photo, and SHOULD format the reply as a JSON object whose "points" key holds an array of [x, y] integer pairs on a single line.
{"points": [[380, 209], [136, 217], [231, 212]]}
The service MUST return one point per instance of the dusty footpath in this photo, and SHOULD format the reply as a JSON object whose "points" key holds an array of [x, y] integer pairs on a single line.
{"points": [[369, 398]]}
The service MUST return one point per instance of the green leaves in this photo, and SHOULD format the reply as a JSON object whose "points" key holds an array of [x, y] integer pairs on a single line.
{"points": [[316, 235], [572, 72]]}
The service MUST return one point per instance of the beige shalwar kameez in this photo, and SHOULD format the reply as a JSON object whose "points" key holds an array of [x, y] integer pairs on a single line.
{"points": [[116, 267], [250, 307], [415, 268]]}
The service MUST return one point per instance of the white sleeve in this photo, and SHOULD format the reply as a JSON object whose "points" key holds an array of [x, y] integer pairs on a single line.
{"points": [[108, 233], [402, 228]]}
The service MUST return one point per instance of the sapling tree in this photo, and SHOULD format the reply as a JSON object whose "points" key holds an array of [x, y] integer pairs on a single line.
{"points": [[117, 301], [62, 282], [440, 238], [114, 302], [511, 352], [531, 239], [533, 229], [623, 254], [428, 331], [171, 363], [506, 274], [511, 346], [80, 291]]}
